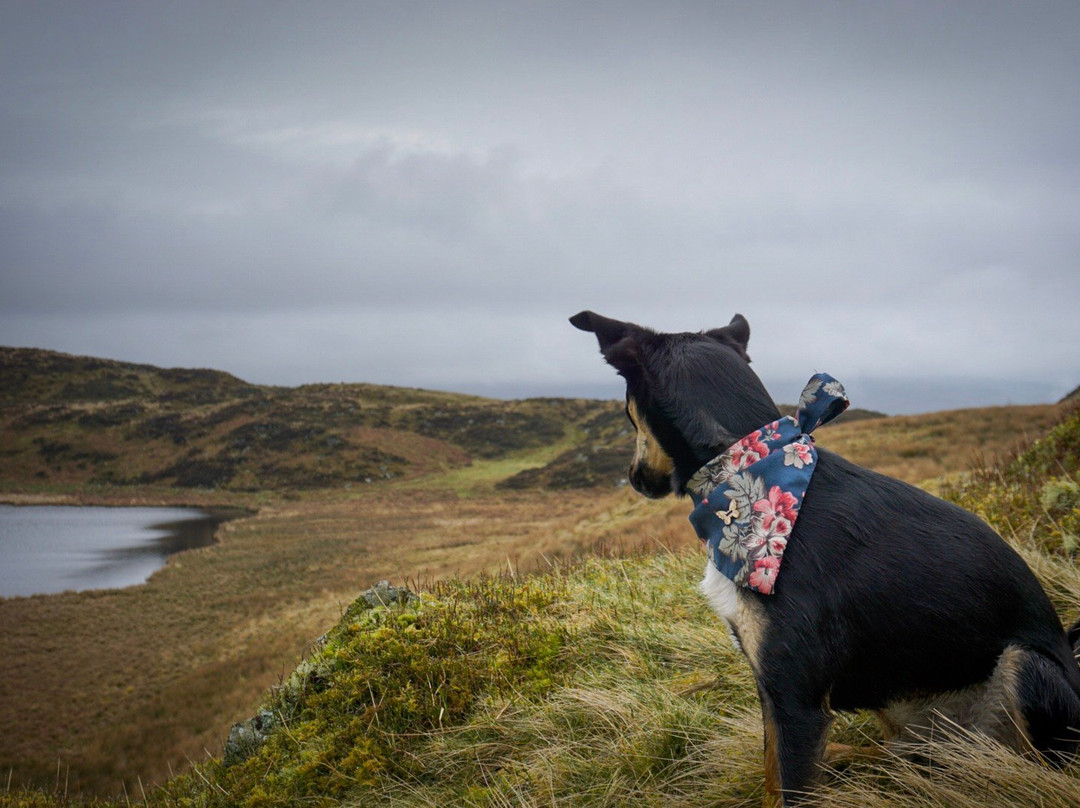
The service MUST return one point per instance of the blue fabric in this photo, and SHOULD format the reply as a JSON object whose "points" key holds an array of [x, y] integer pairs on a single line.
{"points": [[748, 498]]}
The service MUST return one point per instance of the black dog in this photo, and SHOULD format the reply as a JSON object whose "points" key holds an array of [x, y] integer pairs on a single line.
{"points": [[890, 599]]}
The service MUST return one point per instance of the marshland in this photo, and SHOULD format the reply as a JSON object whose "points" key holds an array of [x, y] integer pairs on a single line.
{"points": [[557, 653]]}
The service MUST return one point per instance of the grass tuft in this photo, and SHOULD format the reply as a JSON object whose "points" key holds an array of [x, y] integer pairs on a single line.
{"points": [[606, 683], [355, 714]]}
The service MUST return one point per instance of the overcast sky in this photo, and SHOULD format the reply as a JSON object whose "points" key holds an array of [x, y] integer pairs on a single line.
{"points": [[420, 194]]}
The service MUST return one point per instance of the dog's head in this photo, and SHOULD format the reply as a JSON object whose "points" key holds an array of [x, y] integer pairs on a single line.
{"points": [[688, 395]]}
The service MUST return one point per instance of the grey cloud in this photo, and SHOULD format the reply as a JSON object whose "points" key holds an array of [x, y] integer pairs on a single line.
{"points": [[898, 185]]}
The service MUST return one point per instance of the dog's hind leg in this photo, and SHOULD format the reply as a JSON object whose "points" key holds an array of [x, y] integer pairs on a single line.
{"points": [[1050, 707], [840, 754], [794, 746], [1028, 704]]}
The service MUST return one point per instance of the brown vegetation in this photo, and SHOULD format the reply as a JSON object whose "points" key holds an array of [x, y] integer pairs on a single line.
{"points": [[90, 423], [125, 684], [351, 483], [922, 448]]}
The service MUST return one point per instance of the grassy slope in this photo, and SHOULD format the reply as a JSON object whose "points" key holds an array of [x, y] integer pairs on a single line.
{"points": [[243, 610], [97, 425], [607, 683], [103, 429]]}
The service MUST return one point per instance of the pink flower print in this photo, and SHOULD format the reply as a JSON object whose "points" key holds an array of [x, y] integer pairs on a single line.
{"points": [[763, 578], [781, 526], [779, 504], [776, 536], [748, 451], [798, 455]]}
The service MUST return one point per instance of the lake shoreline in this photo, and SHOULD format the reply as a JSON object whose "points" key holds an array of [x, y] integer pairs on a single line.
{"points": [[61, 547], [157, 498]]}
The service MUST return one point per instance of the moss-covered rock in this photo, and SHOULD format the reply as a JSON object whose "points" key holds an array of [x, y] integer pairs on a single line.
{"points": [[385, 676]]}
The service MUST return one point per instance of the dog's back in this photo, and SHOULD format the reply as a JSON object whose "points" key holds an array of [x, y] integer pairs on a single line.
{"points": [[907, 594]]}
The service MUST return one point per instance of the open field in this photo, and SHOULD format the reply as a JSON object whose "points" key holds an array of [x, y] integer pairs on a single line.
{"points": [[605, 682], [924, 448], [102, 691], [125, 684]]}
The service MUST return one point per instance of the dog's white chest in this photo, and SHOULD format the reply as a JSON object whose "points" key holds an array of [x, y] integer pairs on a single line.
{"points": [[719, 590], [743, 619]]}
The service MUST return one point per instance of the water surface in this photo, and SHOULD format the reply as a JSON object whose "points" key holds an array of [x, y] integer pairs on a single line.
{"points": [[46, 549]]}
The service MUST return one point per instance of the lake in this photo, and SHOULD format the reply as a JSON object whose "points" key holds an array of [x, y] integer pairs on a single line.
{"points": [[49, 549]]}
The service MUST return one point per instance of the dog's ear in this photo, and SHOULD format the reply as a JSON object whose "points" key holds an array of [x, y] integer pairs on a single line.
{"points": [[618, 340], [735, 334]]}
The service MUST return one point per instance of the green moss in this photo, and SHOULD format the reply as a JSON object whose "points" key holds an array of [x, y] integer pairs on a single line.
{"points": [[349, 717], [1059, 496], [1056, 455], [1060, 501], [1034, 497]]}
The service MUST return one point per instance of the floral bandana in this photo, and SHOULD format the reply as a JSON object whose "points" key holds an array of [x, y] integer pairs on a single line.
{"points": [[747, 499]]}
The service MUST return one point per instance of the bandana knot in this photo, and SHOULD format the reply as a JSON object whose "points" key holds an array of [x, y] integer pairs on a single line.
{"points": [[748, 498]]}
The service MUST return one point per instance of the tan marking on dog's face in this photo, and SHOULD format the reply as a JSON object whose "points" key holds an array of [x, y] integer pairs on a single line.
{"points": [[648, 454]]}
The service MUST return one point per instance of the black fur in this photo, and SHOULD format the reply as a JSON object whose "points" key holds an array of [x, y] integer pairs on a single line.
{"points": [[887, 594], [667, 374]]}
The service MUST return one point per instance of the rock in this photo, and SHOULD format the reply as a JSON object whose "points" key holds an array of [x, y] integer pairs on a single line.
{"points": [[246, 737], [383, 594]]}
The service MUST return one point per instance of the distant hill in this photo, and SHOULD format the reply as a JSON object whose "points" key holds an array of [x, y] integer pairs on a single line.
{"points": [[69, 421], [80, 420], [31, 375]]}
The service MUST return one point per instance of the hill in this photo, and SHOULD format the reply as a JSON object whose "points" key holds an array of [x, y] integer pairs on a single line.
{"points": [[459, 485], [605, 682], [79, 421], [102, 428]]}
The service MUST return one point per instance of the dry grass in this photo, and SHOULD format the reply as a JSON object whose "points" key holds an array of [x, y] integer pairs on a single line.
{"points": [[972, 772], [923, 448], [126, 684], [129, 686]]}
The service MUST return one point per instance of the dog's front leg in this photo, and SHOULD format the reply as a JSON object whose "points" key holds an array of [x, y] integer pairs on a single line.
{"points": [[773, 798], [794, 745]]}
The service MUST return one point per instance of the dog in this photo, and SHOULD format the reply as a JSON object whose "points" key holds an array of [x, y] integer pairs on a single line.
{"points": [[889, 599]]}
